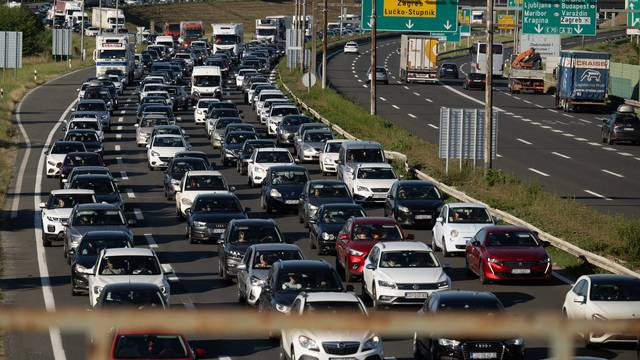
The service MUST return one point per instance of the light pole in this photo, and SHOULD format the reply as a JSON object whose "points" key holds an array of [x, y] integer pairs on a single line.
{"points": [[324, 45], [82, 33], [372, 73], [488, 91]]}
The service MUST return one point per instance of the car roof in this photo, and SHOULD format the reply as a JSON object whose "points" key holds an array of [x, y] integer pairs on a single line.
{"points": [[91, 101], [246, 222], [326, 182], [611, 277], [203, 173], [169, 136], [91, 168], [375, 165], [128, 252], [289, 265], [415, 182], [361, 144], [271, 149], [97, 206], [275, 246], [373, 220], [330, 296], [93, 176], [467, 294], [318, 130], [466, 205], [341, 206], [131, 286], [215, 193], [403, 246], [72, 191], [107, 234], [506, 228]]}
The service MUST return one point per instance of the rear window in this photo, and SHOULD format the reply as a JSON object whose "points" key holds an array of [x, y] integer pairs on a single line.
{"points": [[630, 119]]}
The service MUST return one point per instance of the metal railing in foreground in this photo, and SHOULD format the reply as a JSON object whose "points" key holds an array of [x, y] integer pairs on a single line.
{"points": [[559, 332]]}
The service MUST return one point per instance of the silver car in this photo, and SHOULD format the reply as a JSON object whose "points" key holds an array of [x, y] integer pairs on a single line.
{"points": [[144, 129], [98, 107], [312, 143], [381, 75]]}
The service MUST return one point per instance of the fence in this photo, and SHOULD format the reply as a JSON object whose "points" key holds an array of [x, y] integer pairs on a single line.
{"points": [[624, 80]]}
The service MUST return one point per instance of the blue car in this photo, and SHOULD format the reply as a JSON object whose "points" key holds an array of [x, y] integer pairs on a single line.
{"points": [[282, 187]]}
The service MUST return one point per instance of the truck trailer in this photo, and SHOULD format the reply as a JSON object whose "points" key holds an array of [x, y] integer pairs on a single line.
{"points": [[115, 52], [583, 80], [107, 18], [418, 58]]}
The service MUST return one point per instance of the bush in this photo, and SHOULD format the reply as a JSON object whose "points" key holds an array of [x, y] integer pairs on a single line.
{"points": [[34, 36]]}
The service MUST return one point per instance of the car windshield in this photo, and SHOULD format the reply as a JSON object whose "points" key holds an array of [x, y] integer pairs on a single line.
{"points": [[168, 142], [408, 259], [376, 173], [288, 177], [333, 147], [83, 125], [111, 54], [615, 290], [89, 159], [365, 155], [628, 119], [250, 146], [66, 201], [239, 138], [129, 265], [154, 100], [216, 205], [207, 80], [333, 307], [283, 111], [304, 280], [328, 191], [92, 106], [273, 157], [265, 258], [154, 87], [418, 192], [150, 347], [469, 304], [510, 238], [204, 182], [471, 215], [137, 298], [170, 130], [317, 136], [376, 232], [98, 217], [266, 32], [182, 166], [295, 120], [65, 148], [340, 216], [255, 234], [157, 109], [476, 76], [99, 186], [204, 104], [92, 247], [151, 122]]}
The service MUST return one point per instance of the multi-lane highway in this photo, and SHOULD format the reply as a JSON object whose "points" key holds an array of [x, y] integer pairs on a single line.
{"points": [[40, 277], [562, 151]]}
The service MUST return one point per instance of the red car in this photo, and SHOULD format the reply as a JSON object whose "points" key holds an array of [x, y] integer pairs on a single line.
{"points": [[152, 345], [507, 252], [356, 239]]}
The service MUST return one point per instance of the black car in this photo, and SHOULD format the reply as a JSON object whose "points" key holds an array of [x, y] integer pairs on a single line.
{"points": [[89, 138], [87, 254], [103, 185], [282, 186], [327, 222], [209, 215], [475, 81], [181, 100], [247, 150], [621, 127], [140, 296], [288, 127], [318, 192], [458, 301], [413, 202], [75, 159], [196, 154], [306, 275], [176, 170], [232, 144], [241, 234], [448, 71]]}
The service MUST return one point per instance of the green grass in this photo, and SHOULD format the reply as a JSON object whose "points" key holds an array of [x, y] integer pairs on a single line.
{"points": [[622, 51]]}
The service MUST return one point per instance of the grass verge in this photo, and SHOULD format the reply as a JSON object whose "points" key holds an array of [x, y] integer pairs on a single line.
{"points": [[622, 51]]}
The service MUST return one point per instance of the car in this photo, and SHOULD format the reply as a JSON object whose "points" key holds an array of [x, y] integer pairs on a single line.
{"points": [[57, 209], [402, 273], [311, 144], [157, 110], [241, 73], [448, 71], [148, 87], [474, 81], [266, 95], [326, 345], [329, 156], [265, 110], [209, 215], [326, 223], [253, 270], [148, 344], [303, 128], [354, 152], [246, 152], [82, 121], [255, 89], [179, 97], [288, 126], [239, 235], [218, 111], [351, 47], [381, 75], [262, 159], [413, 203], [101, 93], [92, 217], [146, 125], [168, 130], [358, 236], [138, 296], [57, 154], [80, 170], [89, 138], [287, 279], [604, 297], [282, 186], [98, 107], [176, 170], [105, 188], [85, 258], [232, 145], [457, 224], [622, 126], [371, 182], [124, 266], [276, 113], [163, 148], [201, 108], [507, 253], [319, 192], [427, 347], [219, 126], [77, 159], [239, 127], [194, 183]]}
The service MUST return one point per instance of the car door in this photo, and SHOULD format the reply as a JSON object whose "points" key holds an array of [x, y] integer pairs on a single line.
{"points": [[243, 275], [389, 202], [302, 204], [342, 241], [577, 309], [368, 275], [180, 192], [473, 251], [266, 187], [438, 226], [296, 310], [251, 163]]}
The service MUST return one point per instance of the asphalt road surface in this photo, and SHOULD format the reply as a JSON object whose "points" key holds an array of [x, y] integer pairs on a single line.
{"points": [[39, 277], [562, 151]]}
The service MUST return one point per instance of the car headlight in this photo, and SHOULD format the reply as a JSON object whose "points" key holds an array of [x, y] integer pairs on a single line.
{"points": [[387, 284], [199, 223], [54, 219], [259, 170], [448, 342], [275, 193], [355, 252], [403, 209], [75, 240], [598, 317], [256, 282], [372, 343], [328, 161], [187, 202], [327, 236], [155, 153], [282, 308], [52, 163], [493, 261], [454, 233], [545, 261], [362, 188], [517, 341], [235, 253], [443, 284], [97, 290], [80, 269], [307, 343]]}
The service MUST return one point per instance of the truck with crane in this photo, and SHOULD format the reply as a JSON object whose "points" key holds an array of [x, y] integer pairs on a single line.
{"points": [[526, 72]]}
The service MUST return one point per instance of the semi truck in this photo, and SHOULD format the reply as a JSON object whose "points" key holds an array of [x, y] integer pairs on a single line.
{"points": [[172, 29], [228, 37], [273, 29], [107, 18], [583, 80], [115, 52], [418, 58], [190, 31], [526, 72]]}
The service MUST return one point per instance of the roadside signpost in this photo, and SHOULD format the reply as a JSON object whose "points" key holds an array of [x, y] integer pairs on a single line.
{"points": [[633, 13], [506, 22], [412, 15], [559, 17], [514, 4], [464, 18]]}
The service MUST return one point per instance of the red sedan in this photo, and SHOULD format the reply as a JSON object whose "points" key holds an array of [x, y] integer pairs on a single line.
{"points": [[152, 345], [507, 252], [356, 239]]}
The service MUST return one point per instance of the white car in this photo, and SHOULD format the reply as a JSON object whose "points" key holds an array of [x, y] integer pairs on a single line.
{"points": [[326, 345], [161, 93], [91, 31], [266, 95], [126, 265], [57, 153], [604, 297], [200, 110], [57, 209], [402, 272], [86, 123], [277, 112], [147, 88], [197, 182], [264, 158], [457, 224], [371, 181], [266, 108], [240, 76], [329, 156], [163, 148], [351, 47]]}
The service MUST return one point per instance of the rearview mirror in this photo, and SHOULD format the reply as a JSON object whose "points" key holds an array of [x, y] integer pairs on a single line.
{"points": [[370, 266], [43, 205], [439, 219], [580, 299]]}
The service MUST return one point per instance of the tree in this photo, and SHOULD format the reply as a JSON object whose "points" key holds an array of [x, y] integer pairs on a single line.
{"points": [[34, 36]]}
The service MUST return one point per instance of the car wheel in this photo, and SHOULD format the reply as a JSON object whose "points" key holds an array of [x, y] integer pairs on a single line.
{"points": [[74, 292], [374, 298], [46, 242], [190, 237], [483, 279], [445, 253], [610, 140], [604, 137]]}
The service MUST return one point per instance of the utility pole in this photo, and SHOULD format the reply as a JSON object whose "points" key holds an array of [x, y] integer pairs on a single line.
{"points": [[314, 35], [488, 91], [372, 82], [303, 31], [324, 45], [117, 17], [100, 9], [294, 34], [82, 33], [341, 15]]}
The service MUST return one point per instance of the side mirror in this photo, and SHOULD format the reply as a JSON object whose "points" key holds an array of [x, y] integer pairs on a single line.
{"points": [[148, 146], [296, 160], [43, 205], [475, 243], [193, 107], [370, 266], [439, 219], [78, 90], [342, 237], [65, 223], [232, 188], [132, 222], [411, 237], [580, 299], [241, 267]]}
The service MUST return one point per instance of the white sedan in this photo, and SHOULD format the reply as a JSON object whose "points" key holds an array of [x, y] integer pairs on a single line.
{"points": [[198, 182], [371, 182], [201, 108], [329, 156], [351, 48], [456, 224], [163, 148], [264, 158], [57, 210]]}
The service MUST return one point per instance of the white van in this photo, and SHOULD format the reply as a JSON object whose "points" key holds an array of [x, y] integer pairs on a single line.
{"points": [[166, 41], [206, 82]]}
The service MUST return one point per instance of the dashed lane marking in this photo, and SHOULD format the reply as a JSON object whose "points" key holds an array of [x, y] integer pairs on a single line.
{"points": [[118, 136], [406, 87], [553, 111], [524, 141], [612, 173], [123, 176], [539, 106], [120, 119], [556, 131], [609, 148], [116, 148], [428, 100], [138, 214], [561, 155], [411, 115], [585, 121], [433, 126], [416, 93], [383, 99], [568, 135], [152, 243], [539, 172], [624, 154], [597, 195], [580, 139], [395, 107], [594, 144], [131, 194], [123, 112]]}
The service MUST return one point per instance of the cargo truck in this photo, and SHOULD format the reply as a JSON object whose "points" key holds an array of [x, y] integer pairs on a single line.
{"points": [[171, 29], [189, 31], [107, 18], [228, 37], [115, 52], [583, 79], [418, 58], [526, 72]]}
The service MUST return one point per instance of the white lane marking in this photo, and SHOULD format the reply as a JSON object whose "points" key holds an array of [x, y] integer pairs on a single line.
{"points": [[535, 123], [416, 93], [120, 119], [359, 80], [580, 139], [539, 172], [383, 99], [406, 87], [540, 106], [553, 111], [224, 358], [517, 116], [131, 194], [364, 86], [118, 136], [498, 155], [624, 154], [561, 155], [398, 81], [395, 107], [117, 148], [585, 121], [526, 101], [556, 131], [119, 160], [568, 135], [152, 243], [546, 127], [356, 76], [594, 144], [609, 148], [612, 173], [411, 115], [526, 120], [123, 112], [637, 158], [123, 175], [597, 195], [23, 164], [508, 113], [524, 141], [138, 214], [171, 276], [428, 100], [567, 115], [353, 71], [515, 97], [433, 126]]}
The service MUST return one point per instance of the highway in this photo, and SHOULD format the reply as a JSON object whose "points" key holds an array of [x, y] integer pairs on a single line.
{"points": [[39, 277], [562, 151]]}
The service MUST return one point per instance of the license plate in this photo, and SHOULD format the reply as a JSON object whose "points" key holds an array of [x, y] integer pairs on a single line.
{"points": [[217, 231], [629, 129], [422, 217], [416, 295], [343, 358], [521, 271], [291, 201], [485, 355]]}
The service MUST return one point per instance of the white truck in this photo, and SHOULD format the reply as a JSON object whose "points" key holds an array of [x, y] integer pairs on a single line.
{"points": [[107, 18], [273, 29], [228, 37], [418, 58], [206, 82], [115, 52]]}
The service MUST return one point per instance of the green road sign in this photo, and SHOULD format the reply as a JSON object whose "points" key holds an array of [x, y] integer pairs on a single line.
{"points": [[514, 4], [633, 13], [412, 15], [559, 17], [447, 36], [465, 21]]}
